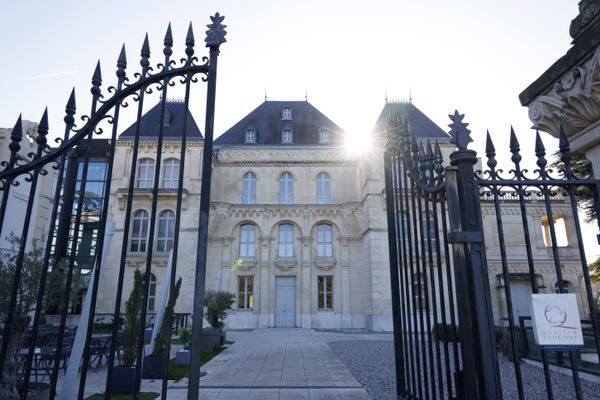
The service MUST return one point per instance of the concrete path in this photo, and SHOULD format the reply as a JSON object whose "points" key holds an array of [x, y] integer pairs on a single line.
{"points": [[278, 364], [266, 364]]}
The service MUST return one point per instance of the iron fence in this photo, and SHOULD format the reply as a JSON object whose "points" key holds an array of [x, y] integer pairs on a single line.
{"points": [[73, 207], [454, 329]]}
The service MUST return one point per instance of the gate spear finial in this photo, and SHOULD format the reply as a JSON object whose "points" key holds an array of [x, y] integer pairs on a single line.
{"points": [[16, 136], [41, 139], [121, 63]]}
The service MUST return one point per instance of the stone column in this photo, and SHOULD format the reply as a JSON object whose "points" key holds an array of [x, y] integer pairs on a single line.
{"points": [[343, 284], [306, 282], [263, 275]]}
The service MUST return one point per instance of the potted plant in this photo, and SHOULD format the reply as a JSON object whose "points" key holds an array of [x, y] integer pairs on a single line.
{"points": [[217, 303], [182, 357], [154, 364], [124, 374]]}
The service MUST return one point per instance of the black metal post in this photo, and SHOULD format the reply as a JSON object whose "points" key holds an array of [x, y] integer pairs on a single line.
{"points": [[394, 276], [480, 374], [215, 37]]}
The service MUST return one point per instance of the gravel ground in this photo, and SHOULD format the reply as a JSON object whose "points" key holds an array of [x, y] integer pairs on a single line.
{"points": [[372, 363]]}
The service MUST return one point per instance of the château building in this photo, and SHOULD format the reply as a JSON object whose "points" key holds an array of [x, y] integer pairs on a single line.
{"points": [[298, 227]]}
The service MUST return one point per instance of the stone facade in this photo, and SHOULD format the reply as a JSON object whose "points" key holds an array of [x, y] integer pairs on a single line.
{"points": [[342, 281]]}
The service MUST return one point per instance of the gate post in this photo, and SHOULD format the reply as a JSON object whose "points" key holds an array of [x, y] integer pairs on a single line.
{"points": [[480, 377]]}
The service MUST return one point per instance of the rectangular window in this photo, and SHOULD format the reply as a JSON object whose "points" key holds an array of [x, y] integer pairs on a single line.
{"points": [[323, 136], [325, 292], [250, 136], [286, 113], [287, 136], [245, 292]]}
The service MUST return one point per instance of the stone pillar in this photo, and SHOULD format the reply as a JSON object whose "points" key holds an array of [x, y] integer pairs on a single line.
{"points": [[263, 275], [343, 285], [306, 281]]}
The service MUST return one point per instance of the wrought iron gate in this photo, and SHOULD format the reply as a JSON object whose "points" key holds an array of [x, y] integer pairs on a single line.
{"points": [[447, 331], [73, 209]]}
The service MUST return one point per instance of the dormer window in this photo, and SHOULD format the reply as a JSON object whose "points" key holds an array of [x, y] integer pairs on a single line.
{"points": [[287, 135], [323, 135], [167, 118], [250, 136], [286, 113]]}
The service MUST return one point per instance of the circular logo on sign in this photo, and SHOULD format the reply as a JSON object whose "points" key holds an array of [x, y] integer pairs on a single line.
{"points": [[555, 315]]}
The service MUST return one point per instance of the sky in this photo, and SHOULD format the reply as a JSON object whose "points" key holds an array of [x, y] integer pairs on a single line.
{"points": [[471, 55]]}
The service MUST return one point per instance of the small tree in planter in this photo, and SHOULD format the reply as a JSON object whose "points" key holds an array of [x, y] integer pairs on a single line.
{"points": [[29, 283], [217, 303], [123, 376], [182, 357], [154, 366]]}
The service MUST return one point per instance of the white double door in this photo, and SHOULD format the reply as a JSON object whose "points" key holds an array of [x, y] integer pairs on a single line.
{"points": [[285, 301]]}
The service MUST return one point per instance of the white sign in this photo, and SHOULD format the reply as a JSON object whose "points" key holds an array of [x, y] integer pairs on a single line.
{"points": [[555, 320]]}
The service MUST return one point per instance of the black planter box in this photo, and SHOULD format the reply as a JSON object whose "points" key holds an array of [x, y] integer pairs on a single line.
{"points": [[153, 367], [122, 380]]}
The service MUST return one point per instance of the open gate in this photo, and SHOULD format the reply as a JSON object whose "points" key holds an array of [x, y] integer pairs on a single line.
{"points": [[457, 334], [72, 210]]}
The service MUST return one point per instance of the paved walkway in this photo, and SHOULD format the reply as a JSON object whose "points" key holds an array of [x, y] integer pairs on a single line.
{"points": [[279, 364], [267, 364]]}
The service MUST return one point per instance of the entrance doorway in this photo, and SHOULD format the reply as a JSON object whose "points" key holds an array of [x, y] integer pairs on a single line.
{"points": [[520, 295], [285, 301]]}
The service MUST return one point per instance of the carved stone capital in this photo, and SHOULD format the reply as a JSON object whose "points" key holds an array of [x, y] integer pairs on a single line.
{"points": [[573, 101]]}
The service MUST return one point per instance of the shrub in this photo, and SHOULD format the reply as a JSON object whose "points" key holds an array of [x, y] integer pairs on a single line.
{"points": [[185, 335], [133, 306], [217, 303], [164, 333]]}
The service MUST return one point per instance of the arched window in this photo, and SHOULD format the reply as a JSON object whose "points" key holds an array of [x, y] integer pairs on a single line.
{"points": [[428, 225], [247, 240], [139, 232], [170, 173], [324, 240], [152, 293], [249, 188], [286, 241], [145, 177], [286, 188], [166, 231], [287, 135], [250, 135], [323, 188]]}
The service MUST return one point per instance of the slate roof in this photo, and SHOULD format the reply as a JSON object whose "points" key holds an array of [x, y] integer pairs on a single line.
{"points": [[419, 124], [151, 123], [267, 120]]}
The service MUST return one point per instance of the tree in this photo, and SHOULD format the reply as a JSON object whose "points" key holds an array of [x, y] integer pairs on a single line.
{"points": [[217, 303], [164, 333], [594, 269], [26, 300], [582, 169], [131, 329]]}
